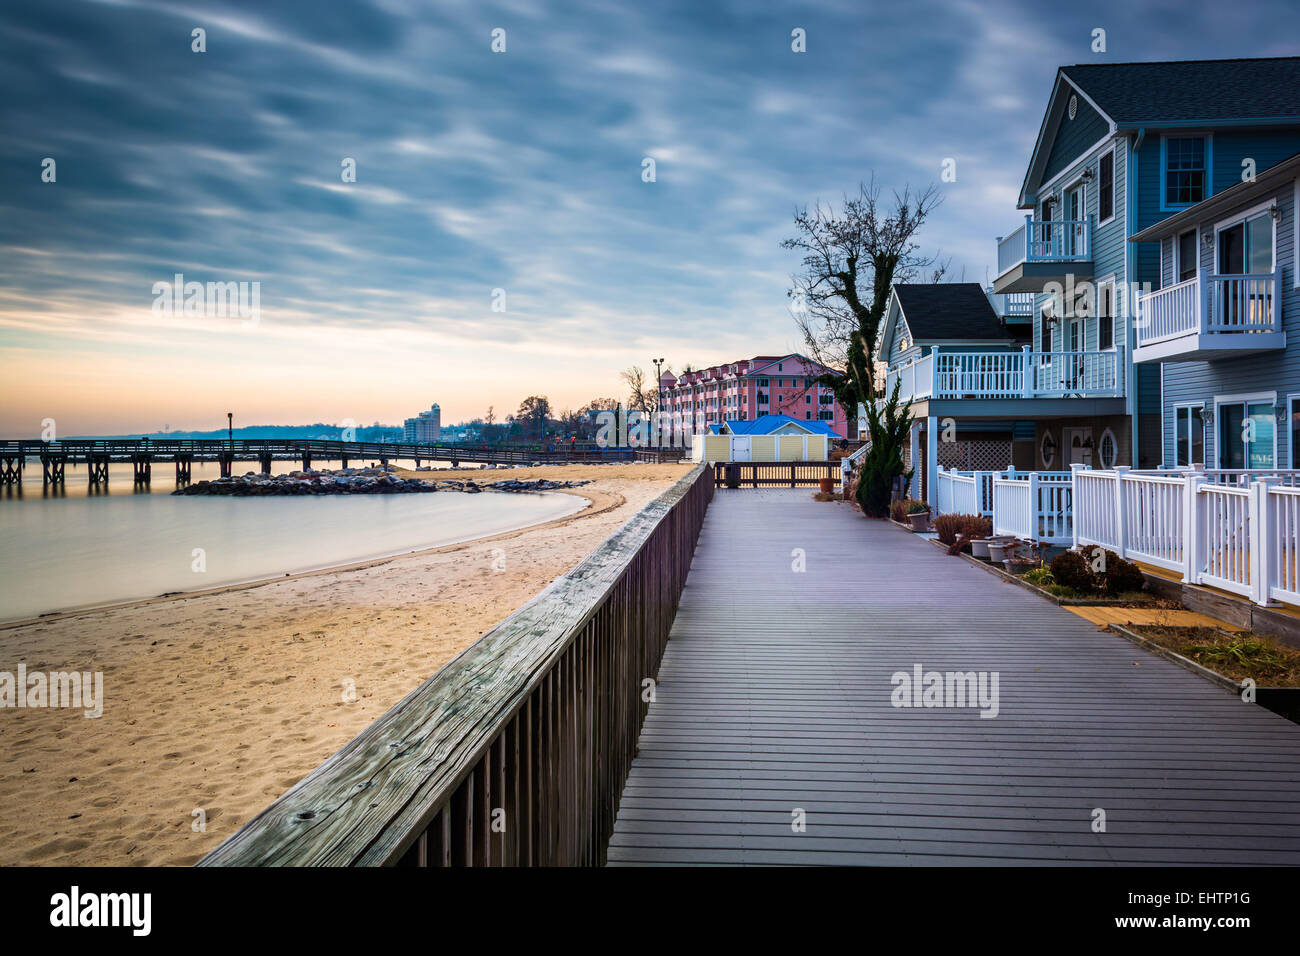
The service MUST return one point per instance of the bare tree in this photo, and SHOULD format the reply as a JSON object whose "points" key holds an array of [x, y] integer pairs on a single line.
{"points": [[852, 256], [642, 396]]}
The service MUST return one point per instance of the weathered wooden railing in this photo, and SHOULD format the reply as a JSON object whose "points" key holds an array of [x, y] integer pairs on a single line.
{"points": [[776, 474], [515, 752]]}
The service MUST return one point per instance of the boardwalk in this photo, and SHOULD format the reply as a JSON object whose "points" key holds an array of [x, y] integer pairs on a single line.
{"points": [[774, 694]]}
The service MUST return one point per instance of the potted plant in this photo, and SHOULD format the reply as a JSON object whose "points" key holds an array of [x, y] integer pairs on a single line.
{"points": [[918, 512], [979, 547], [1002, 548], [826, 485]]}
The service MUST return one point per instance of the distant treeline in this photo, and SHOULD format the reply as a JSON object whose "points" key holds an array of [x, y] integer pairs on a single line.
{"points": [[372, 433]]}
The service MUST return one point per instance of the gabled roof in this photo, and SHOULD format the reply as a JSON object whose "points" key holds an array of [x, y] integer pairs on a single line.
{"points": [[767, 424], [1195, 92], [1165, 94], [944, 312], [1223, 203]]}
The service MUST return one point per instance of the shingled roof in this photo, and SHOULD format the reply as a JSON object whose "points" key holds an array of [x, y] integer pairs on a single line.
{"points": [[944, 311], [1192, 91]]}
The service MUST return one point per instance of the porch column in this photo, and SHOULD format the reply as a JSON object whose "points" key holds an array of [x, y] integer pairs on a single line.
{"points": [[1026, 373], [1121, 524], [931, 454], [1262, 533], [1193, 533], [1075, 503], [914, 451]]}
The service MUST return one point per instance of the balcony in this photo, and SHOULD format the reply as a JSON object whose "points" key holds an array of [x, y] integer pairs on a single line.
{"points": [[1023, 374], [1209, 317], [1043, 251], [1014, 307]]}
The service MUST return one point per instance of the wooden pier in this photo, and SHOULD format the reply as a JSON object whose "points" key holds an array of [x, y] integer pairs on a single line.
{"points": [[98, 454]]}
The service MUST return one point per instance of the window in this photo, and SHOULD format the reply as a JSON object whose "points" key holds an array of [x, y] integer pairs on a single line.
{"points": [[1106, 187], [1045, 332], [1294, 407], [826, 416], [1246, 248], [1184, 170], [1189, 435], [1047, 448], [1246, 434], [1108, 449], [763, 382], [1185, 264], [807, 399], [807, 415], [1106, 316]]}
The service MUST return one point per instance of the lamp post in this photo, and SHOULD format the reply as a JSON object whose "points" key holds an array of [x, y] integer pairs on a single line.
{"points": [[658, 399], [230, 428]]}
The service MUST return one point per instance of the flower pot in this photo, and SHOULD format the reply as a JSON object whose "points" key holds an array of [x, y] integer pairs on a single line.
{"points": [[920, 520], [1000, 550], [979, 547], [827, 485]]}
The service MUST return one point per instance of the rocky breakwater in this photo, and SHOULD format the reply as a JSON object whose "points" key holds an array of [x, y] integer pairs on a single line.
{"points": [[541, 484], [348, 481]]}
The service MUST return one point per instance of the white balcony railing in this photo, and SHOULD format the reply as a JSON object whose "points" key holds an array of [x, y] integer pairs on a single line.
{"points": [[1023, 374], [1039, 240], [1209, 304]]}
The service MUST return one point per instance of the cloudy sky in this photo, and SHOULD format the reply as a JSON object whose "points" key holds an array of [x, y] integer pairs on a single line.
{"points": [[477, 171]]}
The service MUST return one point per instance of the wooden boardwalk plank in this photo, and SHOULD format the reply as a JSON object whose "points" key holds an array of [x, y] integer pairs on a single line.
{"points": [[775, 696]]}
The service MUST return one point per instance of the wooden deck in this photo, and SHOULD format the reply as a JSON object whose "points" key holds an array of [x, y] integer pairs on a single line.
{"points": [[774, 694]]}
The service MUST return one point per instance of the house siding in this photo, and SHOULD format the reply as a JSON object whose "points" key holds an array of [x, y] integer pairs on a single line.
{"points": [[1073, 136]]}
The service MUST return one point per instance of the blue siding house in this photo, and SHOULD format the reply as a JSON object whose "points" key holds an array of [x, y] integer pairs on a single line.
{"points": [[1121, 148], [1220, 324]]}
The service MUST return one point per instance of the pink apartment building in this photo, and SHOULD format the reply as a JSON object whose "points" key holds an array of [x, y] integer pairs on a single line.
{"points": [[762, 385]]}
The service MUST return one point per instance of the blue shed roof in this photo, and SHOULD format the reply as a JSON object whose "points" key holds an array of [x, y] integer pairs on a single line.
{"points": [[767, 424]]}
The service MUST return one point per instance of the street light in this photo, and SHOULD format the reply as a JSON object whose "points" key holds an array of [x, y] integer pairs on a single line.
{"points": [[659, 391], [230, 427]]}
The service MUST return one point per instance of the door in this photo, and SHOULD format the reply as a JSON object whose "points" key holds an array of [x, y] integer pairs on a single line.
{"points": [[1245, 248], [740, 448], [1075, 212], [1246, 435], [1078, 446]]}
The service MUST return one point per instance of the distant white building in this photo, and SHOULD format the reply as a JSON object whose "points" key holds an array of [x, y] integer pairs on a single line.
{"points": [[424, 427]]}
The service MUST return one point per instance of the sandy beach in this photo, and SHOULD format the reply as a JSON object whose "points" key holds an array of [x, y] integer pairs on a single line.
{"points": [[215, 704]]}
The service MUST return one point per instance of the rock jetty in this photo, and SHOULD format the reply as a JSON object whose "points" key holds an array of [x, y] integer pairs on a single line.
{"points": [[354, 481], [348, 481]]}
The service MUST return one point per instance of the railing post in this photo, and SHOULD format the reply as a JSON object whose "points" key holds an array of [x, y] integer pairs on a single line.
{"points": [[1029, 236], [1261, 540], [1034, 526], [1075, 468], [1193, 533], [1203, 319], [979, 494], [1026, 382], [1121, 523]]}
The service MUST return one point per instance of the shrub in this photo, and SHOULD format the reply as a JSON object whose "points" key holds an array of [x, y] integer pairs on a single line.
{"points": [[1040, 577], [952, 526], [888, 428], [900, 509], [1072, 570], [915, 507], [1121, 576]]}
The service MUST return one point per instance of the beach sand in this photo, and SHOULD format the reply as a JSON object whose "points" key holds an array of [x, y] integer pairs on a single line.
{"points": [[222, 701]]}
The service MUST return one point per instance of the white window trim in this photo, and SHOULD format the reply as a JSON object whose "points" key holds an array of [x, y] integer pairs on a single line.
{"points": [[1205, 445], [1237, 219], [1178, 266], [1114, 184], [1047, 462], [1114, 443], [1292, 399], [1295, 241], [1110, 280], [1209, 167], [1081, 185], [1246, 399]]}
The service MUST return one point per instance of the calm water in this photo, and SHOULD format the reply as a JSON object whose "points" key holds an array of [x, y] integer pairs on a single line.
{"points": [[75, 549]]}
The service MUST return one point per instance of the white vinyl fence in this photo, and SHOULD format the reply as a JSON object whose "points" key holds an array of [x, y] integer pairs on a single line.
{"points": [[1237, 531], [1034, 505]]}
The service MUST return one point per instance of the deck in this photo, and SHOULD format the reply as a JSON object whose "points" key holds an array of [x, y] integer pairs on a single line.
{"points": [[774, 694]]}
